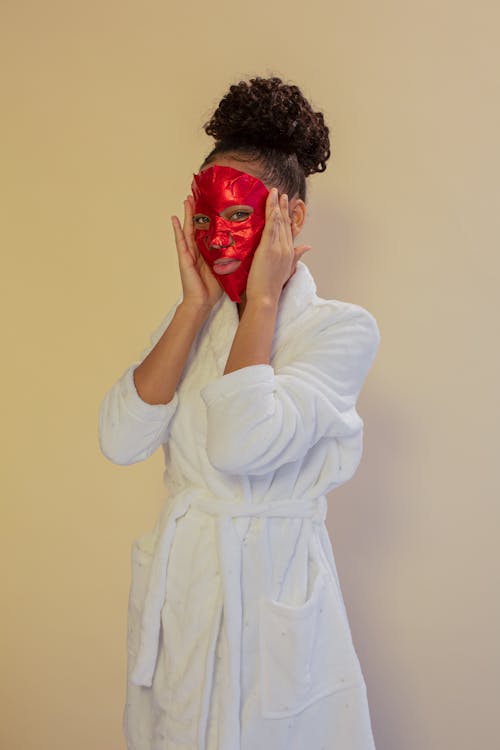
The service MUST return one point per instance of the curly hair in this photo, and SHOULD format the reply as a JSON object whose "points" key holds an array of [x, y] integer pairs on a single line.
{"points": [[272, 122]]}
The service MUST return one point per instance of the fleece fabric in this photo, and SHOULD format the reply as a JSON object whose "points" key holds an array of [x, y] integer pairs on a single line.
{"points": [[238, 636]]}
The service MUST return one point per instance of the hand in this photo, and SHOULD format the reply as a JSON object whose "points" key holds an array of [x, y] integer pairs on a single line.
{"points": [[199, 286], [276, 258]]}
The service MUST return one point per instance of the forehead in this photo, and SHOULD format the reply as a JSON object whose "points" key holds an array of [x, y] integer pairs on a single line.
{"points": [[220, 185], [253, 167]]}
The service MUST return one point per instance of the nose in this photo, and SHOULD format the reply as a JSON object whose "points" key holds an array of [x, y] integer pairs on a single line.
{"points": [[221, 238]]}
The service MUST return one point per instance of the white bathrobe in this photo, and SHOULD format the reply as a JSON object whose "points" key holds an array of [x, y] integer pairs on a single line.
{"points": [[238, 637]]}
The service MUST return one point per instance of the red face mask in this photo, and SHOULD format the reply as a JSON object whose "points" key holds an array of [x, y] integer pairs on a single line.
{"points": [[228, 243]]}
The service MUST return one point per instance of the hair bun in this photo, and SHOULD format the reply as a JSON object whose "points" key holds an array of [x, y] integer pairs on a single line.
{"points": [[265, 112]]}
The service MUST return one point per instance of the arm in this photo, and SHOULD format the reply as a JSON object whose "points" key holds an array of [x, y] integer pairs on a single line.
{"points": [[259, 418], [136, 412], [158, 375], [130, 429], [274, 262], [254, 336]]}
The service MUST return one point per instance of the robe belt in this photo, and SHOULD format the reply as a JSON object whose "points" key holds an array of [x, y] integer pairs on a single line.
{"points": [[229, 550]]}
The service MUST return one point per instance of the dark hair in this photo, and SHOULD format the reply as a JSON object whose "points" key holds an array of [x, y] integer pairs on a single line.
{"points": [[272, 122]]}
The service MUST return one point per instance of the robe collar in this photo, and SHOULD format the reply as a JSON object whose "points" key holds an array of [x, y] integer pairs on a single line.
{"points": [[297, 295]]}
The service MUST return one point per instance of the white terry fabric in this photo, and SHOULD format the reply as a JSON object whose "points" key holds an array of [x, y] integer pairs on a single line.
{"points": [[238, 635]]}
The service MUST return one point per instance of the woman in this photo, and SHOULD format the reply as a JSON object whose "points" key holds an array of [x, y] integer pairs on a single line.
{"points": [[238, 636]]}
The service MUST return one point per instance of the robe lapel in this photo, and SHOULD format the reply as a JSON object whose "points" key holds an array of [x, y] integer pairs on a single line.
{"points": [[221, 331], [296, 296]]}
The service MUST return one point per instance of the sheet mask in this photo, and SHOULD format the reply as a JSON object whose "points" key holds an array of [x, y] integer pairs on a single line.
{"points": [[214, 189]]}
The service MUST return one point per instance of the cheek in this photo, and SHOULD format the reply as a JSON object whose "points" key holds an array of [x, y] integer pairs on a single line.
{"points": [[247, 239], [200, 238]]}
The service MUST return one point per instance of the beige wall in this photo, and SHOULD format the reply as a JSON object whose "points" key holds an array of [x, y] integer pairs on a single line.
{"points": [[103, 106]]}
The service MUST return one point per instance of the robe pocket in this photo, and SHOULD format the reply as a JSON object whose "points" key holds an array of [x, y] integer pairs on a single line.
{"points": [[306, 651], [141, 562]]}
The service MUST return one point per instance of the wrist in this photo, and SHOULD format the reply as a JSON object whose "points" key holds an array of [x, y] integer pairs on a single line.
{"points": [[262, 302], [194, 311]]}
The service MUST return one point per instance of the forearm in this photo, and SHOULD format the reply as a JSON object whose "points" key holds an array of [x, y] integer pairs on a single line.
{"points": [[157, 377], [253, 340]]}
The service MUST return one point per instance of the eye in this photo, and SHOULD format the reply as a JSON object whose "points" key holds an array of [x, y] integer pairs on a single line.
{"points": [[201, 221], [240, 215]]}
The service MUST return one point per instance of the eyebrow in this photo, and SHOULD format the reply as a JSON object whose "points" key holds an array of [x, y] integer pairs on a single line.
{"points": [[231, 205], [238, 205]]}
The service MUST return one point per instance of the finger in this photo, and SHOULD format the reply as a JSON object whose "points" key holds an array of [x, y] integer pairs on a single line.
{"points": [[284, 204], [300, 251], [270, 234], [272, 215], [286, 238], [188, 224], [188, 216], [276, 220], [271, 201], [180, 241], [189, 227], [183, 251]]}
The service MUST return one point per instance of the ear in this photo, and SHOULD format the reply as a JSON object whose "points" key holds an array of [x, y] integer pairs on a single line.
{"points": [[297, 212]]}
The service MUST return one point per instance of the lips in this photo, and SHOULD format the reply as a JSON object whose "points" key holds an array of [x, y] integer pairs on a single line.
{"points": [[224, 266]]}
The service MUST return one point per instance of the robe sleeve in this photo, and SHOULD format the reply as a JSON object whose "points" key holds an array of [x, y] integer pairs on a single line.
{"points": [[259, 418], [130, 429]]}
